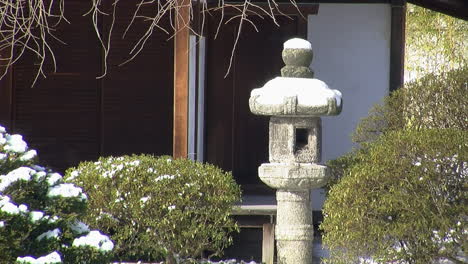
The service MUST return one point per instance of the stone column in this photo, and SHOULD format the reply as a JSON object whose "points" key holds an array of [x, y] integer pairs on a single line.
{"points": [[294, 231]]}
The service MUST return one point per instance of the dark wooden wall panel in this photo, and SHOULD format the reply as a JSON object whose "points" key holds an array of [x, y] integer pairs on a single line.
{"points": [[255, 65], [72, 116], [219, 96], [137, 97], [58, 116], [236, 139]]}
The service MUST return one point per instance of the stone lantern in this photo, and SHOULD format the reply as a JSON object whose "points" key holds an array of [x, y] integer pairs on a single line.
{"points": [[295, 101]]}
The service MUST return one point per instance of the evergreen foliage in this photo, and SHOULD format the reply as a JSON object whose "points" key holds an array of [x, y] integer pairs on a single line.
{"points": [[404, 201], [401, 196], [159, 207], [435, 42], [39, 213]]}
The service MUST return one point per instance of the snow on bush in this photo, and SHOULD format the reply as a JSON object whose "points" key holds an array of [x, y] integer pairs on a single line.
{"points": [[401, 202], [53, 257], [96, 240], [157, 207], [39, 212]]}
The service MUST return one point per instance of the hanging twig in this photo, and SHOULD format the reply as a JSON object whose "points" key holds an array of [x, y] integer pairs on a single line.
{"points": [[28, 25]]}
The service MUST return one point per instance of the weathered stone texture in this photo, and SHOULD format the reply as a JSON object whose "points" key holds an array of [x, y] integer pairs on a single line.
{"points": [[284, 146], [297, 57], [293, 176], [295, 252], [295, 103], [297, 72]]}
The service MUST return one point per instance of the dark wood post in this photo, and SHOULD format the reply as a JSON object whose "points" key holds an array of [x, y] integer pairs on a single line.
{"points": [[397, 44], [181, 78]]}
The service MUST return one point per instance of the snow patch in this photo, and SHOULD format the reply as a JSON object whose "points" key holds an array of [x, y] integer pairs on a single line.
{"points": [[49, 234], [54, 178], [10, 208], [36, 216], [21, 173], [309, 92], [29, 155], [94, 239], [67, 190], [15, 143], [53, 257], [297, 43]]}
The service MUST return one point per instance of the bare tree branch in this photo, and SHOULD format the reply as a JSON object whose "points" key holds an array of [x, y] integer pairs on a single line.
{"points": [[29, 25]]}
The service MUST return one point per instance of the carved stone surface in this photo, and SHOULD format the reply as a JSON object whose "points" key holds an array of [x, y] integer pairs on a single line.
{"points": [[295, 102], [297, 72], [294, 252], [293, 176], [297, 57], [295, 139]]}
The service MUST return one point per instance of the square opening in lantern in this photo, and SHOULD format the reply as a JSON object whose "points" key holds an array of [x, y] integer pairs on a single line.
{"points": [[302, 139]]}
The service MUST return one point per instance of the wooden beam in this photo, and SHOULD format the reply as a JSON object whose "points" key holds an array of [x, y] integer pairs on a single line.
{"points": [[455, 8], [397, 44], [181, 78], [6, 92], [268, 243]]}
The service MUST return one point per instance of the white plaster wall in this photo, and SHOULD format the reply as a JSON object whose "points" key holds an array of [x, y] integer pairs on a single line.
{"points": [[351, 44]]}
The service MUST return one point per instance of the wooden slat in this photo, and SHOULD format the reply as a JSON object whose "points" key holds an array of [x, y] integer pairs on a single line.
{"points": [[268, 243], [397, 44], [254, 210], [256, 205], [58, 116], [137, 96], [181, 62]]}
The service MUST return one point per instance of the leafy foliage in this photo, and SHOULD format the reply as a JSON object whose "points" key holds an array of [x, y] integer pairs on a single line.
{"points": [[434, 101], [38, 212], [158, 206], [435, 43], [405, 200], [401, 196]]}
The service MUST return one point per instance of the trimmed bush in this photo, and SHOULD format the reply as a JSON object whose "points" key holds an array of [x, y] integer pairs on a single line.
{"points": [[39, 212], [159, 207], [435, 101], [401, 196], [405, 201]]}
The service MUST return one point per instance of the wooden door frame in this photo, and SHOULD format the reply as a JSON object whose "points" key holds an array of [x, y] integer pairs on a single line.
{"points": [[181, 79]]}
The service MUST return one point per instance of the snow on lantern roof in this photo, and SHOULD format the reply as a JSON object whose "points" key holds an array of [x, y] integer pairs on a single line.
{"points": [[297, 43], [295, 96], [296, 93]]}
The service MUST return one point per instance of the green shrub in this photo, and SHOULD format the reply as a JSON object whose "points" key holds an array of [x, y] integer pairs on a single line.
{"points": [[400, 197], [159, 206], [404, 200], [435, 101], [39, 212]]}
